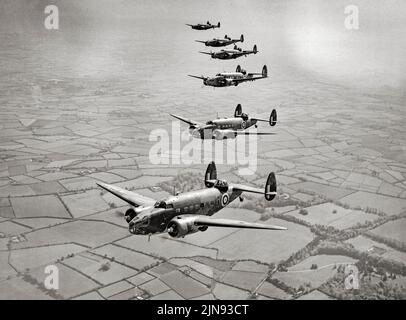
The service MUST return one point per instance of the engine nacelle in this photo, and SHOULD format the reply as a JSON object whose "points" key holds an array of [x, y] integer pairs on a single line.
{"points": [[181, 226], [130, 214], [223, 134]]}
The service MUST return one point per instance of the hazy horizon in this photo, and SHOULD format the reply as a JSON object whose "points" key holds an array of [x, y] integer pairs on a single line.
{"points": [[111, 39]]}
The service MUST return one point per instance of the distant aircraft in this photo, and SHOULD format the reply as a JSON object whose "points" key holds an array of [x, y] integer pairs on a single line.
{"points": [[189, 212], [217, 42], [227, 128], [206, 26], [231, 54], [226, 79]]}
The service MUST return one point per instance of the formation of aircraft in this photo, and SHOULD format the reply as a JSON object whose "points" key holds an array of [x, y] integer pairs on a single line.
{"points": [[229, 54], [190, 212], [226, 79], [227, 128], [218, 42], [204, 26]]}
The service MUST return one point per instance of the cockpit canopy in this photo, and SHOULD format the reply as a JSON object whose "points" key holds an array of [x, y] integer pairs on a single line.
{"points": [[160, 204], [221, 185], [244, 116]]}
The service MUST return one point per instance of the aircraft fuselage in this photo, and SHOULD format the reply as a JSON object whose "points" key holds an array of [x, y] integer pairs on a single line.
{"points": [[220, 42], [199, 202], [202, 27], [233, 123], [229, 55]]}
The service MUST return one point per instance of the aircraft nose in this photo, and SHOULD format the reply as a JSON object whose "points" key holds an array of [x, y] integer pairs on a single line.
{"points": [[196, 133]]}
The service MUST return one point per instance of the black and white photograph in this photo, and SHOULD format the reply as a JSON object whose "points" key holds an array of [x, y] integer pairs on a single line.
{"points": [[202, 150]]}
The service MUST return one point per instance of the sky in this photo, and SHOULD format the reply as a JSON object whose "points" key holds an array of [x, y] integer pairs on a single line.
{"points": [[103, 38]]}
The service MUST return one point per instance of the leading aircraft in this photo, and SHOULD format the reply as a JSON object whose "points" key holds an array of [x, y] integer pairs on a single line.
{"points": [[218, 42], [205, 26], [231, 54], [227, 128], [227, 79], [189, 212]]}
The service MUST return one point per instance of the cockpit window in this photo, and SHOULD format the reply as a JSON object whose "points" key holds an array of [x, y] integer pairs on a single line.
{"points": [[160, 204], [221, 183]]}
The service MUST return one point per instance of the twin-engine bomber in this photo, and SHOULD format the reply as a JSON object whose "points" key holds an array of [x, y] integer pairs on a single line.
{"points": [[204, 26], [229, 54], [190, 212], [227, 79], [227, 128], [218, 42]]}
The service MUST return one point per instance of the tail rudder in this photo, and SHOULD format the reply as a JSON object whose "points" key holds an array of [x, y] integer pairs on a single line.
{"points": [[273, 118], [264, 71], [242, 38], [211, 174], [238, 111], [255, 50], [270, 187]]}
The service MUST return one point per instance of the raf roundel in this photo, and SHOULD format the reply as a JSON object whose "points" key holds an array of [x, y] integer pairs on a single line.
{"points": [[243, 125], [224, 199]]}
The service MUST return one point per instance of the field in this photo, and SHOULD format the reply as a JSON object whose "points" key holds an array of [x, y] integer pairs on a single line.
{"points": [[269, 290], [388, 205], [74, 232], [264, 245], [302, 273], [130, 258], [45, 206], [315, 295], [332, 215], [86, 203], [103, 271], [365, 244], [394, 230], [71, 283], [183, 285], [243, 279], [30, 258]]}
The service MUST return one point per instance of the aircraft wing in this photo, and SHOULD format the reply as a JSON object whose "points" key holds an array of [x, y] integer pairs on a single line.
{"points": [[130, 197], [241, 187], [254, 133], [197, 77], [230, 223], [188, 121], [259, 119]]}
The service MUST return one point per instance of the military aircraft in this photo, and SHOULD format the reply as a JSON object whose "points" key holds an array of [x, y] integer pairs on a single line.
{"points": [[206, 26], [231, 54], [227, 128], [226, 79], [189, 212], [217, 42]]}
